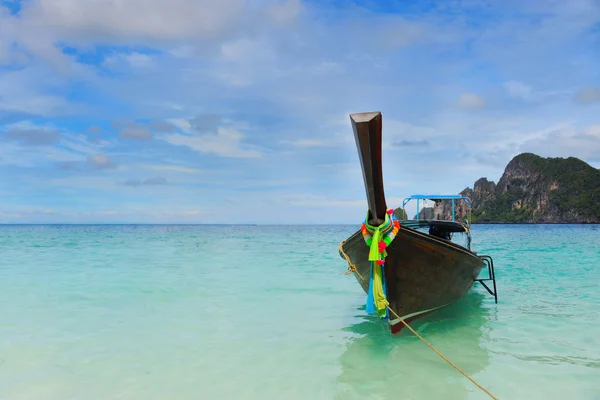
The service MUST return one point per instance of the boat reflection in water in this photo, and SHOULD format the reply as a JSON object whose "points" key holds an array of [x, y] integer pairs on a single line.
{"points": [[377, 365]]}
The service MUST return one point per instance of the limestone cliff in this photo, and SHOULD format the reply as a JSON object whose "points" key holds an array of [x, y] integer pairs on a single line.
{"points": [[539, 190]]}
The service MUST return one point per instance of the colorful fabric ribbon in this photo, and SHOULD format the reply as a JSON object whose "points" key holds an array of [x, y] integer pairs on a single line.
{"points": [[378, 238]]}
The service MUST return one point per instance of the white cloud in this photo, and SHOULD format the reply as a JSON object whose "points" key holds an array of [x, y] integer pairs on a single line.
{"points": [[36, 214], [33, 136], [309, 143], [157, 21], [518, 89], [328, 67], [284, 13], [471, 101], [593, 131], [23, 92], [243, 49], [183, 124], [396, 132], [324, 201], [18, 155], [175, 168], [135, 19], [4, 53], [133, 60], [186, 213], [205, 123], [581, 143], [227, 143], [401, 33], [157, 180], [9, 217], [81, 145]]}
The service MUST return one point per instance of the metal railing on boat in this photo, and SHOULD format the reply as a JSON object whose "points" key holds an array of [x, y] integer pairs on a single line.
{"points": [[491, 277]]}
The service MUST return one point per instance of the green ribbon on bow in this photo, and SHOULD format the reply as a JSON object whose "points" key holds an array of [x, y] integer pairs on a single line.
{"points": [[374, 253]]}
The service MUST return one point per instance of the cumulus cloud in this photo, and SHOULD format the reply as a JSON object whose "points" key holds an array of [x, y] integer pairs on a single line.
{"points": [[471, 101], [152, 20], [136, 19], [34, 136], [227, 143]]}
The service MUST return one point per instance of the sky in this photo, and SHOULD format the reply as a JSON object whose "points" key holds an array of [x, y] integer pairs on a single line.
{"points": [[237, 111]]}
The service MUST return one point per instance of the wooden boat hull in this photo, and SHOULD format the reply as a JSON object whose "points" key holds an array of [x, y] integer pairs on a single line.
{"points": [[423, 273]]}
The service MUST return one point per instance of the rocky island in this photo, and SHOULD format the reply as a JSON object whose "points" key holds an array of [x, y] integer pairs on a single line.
{"points": [[534, 189]]}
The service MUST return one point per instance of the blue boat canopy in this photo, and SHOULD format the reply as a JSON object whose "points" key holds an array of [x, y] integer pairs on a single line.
{"points": [[435, 197], [420, 197]]}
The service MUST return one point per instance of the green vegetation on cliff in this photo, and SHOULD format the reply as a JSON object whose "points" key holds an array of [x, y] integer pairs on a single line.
{"points": [[535, 189]]}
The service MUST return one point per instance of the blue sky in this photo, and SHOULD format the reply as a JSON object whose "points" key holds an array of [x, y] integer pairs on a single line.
{"points": [[194, 111]]}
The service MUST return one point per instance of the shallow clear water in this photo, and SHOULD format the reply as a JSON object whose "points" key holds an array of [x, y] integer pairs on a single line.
{"points": [[246, 312]]}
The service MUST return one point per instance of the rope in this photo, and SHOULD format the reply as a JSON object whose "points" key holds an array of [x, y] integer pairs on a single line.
{"points": [[441, 355], [352, 268]]}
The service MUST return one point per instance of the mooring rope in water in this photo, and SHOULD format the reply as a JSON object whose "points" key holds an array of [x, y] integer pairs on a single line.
{"points": [[352, 268]]}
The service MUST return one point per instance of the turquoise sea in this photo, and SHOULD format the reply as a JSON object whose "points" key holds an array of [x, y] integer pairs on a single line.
{"points": [[266, 312]]}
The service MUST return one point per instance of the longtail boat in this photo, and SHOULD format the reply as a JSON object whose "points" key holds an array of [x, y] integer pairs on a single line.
{"points": [[410, 266]]}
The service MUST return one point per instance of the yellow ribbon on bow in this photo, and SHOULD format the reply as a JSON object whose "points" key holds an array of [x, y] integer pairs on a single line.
{"points": [[377, 237], [379, 297]]}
